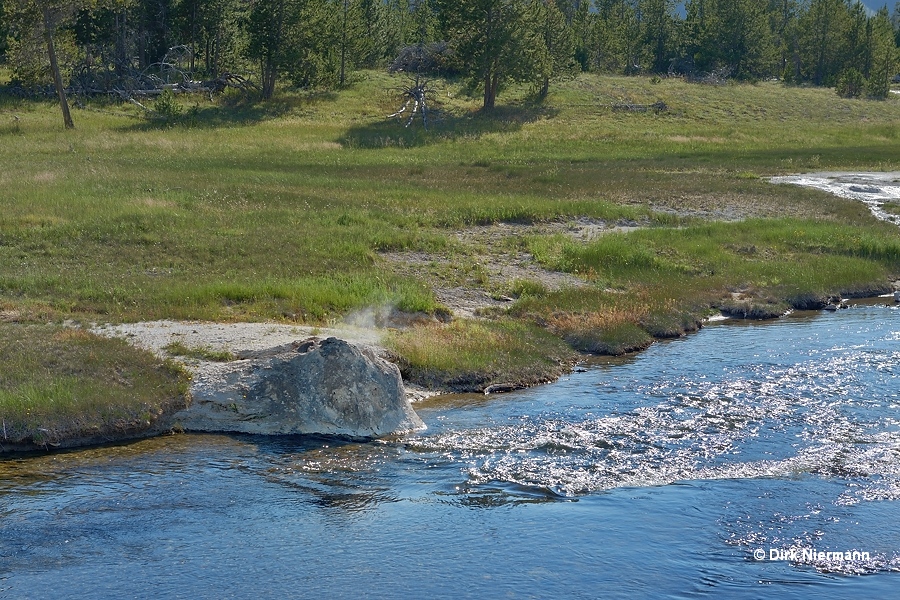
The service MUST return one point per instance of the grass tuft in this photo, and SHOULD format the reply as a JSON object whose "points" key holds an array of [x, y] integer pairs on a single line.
{"points": [[199, 353], [62, 384], [470, 356]]}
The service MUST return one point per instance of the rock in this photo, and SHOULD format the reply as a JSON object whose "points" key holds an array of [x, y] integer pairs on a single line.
{"points": [[328, 387]]}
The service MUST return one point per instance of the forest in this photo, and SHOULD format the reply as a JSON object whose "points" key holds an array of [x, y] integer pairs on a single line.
{"points": [[118, 47]]}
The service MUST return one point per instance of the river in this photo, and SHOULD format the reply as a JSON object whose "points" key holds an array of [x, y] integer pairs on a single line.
{"points": [[716, 465]]}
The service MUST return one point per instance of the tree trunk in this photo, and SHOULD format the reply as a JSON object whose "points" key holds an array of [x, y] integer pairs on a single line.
{"points": [[491, 83], [344, 43], [54, 67], [269, 75]]}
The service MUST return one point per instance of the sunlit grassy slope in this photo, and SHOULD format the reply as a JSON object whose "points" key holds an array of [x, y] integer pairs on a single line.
{"points": [[240, 210], [260, 211]]}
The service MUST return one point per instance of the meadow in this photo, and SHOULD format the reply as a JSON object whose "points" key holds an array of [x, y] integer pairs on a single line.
{"points": [[232, 210]]}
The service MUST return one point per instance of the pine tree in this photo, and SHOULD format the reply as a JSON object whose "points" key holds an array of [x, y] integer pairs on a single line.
{"points": [[4, 31], [885, 61], [821, 41], [40, 23], [558, 52], [615, 38], [494, 41], [783, 16], [656, 22], [272, 31], [745, 39]]}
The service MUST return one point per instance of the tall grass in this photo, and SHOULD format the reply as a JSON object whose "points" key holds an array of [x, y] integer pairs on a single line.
{"points": [[468, 356], [60, 384]]}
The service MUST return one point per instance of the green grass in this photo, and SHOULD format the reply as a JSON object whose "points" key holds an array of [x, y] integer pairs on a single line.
{"points": [[200, 353], [466, 356], [659, 282], [268, 211], [59, 384], [237, 210]]}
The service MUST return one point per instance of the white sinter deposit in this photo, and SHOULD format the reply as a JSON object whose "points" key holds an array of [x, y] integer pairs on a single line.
{"points": [[282, 379], [873, 189]]}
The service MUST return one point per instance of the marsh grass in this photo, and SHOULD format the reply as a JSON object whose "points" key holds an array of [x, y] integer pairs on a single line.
{"points": [[59, 384], [467, 356], [199, 352], [281, 210], [657, 282]]}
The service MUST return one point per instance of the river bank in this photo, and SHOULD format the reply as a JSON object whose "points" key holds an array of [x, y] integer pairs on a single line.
{"points": [[544, 230], [682, 461], [194, 353]]}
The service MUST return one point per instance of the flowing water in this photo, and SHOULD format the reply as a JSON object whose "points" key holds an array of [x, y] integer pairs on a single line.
{"points": [[717, 465]]}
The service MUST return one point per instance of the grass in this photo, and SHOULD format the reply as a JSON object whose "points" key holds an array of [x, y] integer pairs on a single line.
{"points": [[235, 210], [60, 384], [199, 353], [467, 356], [659, 282], [276, 218]]}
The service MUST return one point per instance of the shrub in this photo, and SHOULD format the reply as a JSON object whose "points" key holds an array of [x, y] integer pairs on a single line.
{"points": [[850, 84]]}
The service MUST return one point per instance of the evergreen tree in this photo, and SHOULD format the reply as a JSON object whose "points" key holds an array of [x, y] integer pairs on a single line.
{"points": [[408, 23], [38, 26], [154, 22], [210, 28], [895, 19], [493, 40], [885, 56], [745, 39], [580, 21], [783, 16], [656, 22], [558, 56], [700, 38], [857, 39], [615, 38], [821, 40], [4, 32], [272, 29], [732, 34]]}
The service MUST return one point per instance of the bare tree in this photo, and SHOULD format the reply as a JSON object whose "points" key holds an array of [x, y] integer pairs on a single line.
{"points": [[417, 62], [43, 19]]}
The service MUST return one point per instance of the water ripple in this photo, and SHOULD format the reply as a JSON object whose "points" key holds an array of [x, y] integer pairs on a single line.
{"points": [[758, 421]]}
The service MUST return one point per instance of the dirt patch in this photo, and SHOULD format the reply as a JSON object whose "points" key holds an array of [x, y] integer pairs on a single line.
{"points": [[484, 268]]}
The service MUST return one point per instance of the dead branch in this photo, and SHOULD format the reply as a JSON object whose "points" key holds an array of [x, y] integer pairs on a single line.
{"points": [[136, 103], [417, 96], [656, 107]]}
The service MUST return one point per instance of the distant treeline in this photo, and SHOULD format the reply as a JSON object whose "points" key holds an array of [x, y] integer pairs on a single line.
{"points": [[318, 43]]}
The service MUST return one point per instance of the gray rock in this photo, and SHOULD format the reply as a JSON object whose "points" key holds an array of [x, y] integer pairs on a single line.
{"points": [[328, 387]]}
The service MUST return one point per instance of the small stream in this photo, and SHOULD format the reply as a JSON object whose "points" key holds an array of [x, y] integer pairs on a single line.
{"points": [[735, 462]]}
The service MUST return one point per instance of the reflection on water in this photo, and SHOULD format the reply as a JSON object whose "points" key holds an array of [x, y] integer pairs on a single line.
{"points": [[659, 474]]}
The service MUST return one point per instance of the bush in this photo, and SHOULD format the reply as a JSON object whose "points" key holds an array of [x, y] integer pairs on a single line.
{"points": [[167, 107], [850, 84], [878, 88]]}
